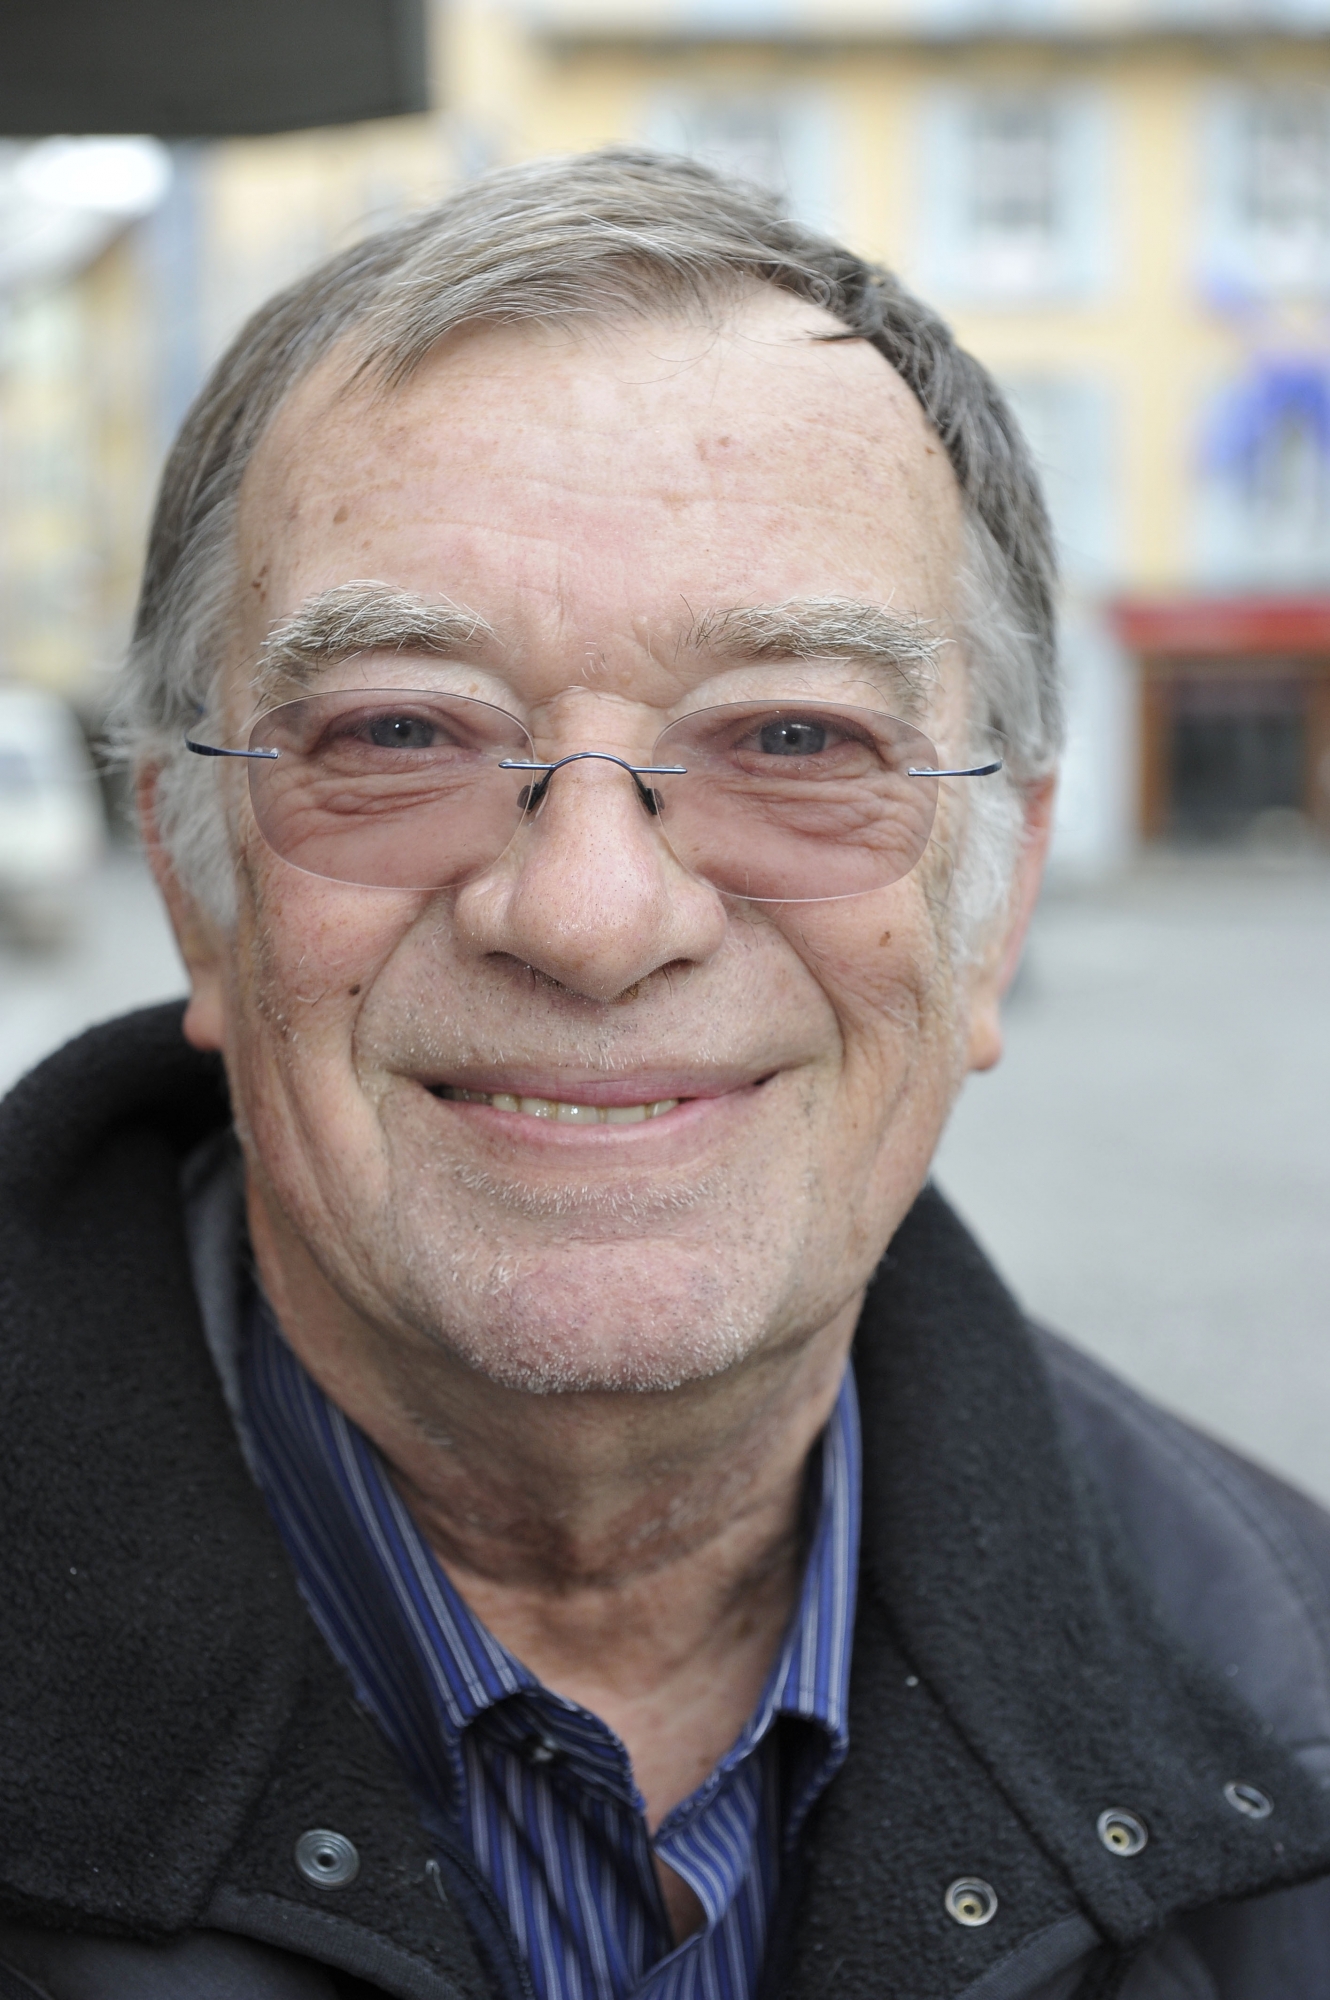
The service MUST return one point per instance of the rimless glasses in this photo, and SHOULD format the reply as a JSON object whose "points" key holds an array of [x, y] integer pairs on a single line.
{"points": [[777, 801]]}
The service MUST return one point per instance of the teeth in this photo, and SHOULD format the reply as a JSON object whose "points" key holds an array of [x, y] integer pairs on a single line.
{"points": [[565, 1114]]}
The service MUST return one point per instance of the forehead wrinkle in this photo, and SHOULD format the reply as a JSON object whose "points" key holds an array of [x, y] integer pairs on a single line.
{"points": [[899, 647], [363, 616]]}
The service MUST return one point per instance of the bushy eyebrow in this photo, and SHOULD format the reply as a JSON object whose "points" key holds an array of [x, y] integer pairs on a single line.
{"points": [[363, 617], [898, 647]]}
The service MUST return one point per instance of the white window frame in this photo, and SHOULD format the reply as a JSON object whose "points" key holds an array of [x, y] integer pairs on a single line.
{"points": [[1236, 259], [1067, 420], [952, 261], [683, 119]]}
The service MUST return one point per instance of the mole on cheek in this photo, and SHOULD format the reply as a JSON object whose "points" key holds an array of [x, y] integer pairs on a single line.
{"points": [[341, 514], [353, 990]]}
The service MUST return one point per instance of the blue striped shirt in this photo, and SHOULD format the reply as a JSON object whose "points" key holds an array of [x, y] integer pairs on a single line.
{"points": [[542, 1789]]}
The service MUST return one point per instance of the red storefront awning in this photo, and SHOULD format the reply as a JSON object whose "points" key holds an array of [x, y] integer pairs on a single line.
{"points": [[1183, 627]]}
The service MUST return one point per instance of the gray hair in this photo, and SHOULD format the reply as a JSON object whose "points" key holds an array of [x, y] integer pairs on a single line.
{"points": [[589, 237]]}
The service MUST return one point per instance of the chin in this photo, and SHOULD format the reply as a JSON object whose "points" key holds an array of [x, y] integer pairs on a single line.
{"points": [[598, 1328]]}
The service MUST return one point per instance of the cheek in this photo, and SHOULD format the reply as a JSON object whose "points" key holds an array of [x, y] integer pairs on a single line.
{"points": [[878, 962], [308, 955], [889, 983]]}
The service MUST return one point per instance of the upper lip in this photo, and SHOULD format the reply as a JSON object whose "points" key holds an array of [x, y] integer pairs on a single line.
{"points": [[644, 1086]]}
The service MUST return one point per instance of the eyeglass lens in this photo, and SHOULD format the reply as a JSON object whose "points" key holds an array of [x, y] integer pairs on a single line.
{"points": [[780, 801]]}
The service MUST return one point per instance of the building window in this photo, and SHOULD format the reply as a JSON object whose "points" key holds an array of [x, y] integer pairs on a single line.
{"points": [[782, 140], [1013, 200], [1286, 174], [1269, 176], [1015, 196], [1067, 423]]}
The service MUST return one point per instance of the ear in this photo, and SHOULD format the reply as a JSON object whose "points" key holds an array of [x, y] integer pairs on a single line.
{"points": [[994, 973], [202, 943]]}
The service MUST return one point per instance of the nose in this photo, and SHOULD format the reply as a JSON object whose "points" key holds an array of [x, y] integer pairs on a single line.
{"points": [[588, 893]]}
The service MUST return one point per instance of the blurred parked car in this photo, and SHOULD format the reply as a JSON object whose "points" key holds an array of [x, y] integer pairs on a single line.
{"points": [[52, 820]]}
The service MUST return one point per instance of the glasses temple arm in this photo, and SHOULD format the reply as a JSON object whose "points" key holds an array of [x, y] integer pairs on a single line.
{"points": [[974, 771], [215, 750]]}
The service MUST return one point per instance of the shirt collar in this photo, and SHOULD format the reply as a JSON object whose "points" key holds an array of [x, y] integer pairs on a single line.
{"points": [[812, 1676]]}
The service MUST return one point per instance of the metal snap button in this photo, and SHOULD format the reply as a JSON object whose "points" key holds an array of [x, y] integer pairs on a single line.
{"points": [[326, 1859], [1248, 1799], [541, 1749], [1122, 1832], [971, 1901]]}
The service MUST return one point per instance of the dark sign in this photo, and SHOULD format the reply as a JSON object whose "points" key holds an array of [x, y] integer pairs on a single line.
{"points": [[195, 69]]}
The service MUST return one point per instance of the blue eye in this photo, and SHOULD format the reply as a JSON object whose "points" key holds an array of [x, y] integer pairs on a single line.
{"points": [[791, 737], [401, 732]]}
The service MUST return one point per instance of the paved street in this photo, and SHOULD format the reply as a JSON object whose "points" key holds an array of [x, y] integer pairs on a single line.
{"points": [[1150, 1164], [122, 956]]}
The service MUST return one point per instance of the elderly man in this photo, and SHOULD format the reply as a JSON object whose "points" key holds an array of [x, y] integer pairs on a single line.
{"points": [[519, 1488]]}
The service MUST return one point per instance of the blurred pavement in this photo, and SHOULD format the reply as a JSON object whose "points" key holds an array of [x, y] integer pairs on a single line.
{"points": [[1150, 1164], [122, 955]]}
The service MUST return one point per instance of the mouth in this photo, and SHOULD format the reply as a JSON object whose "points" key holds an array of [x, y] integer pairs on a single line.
{"points": [[561, 1110]]}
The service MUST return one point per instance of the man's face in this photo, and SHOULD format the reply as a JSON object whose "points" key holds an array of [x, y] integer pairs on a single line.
{"points": [[593, 496]]}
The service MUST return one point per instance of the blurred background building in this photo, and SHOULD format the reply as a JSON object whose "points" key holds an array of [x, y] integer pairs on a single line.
{"points": [[1124, 208], [1123, 205]]}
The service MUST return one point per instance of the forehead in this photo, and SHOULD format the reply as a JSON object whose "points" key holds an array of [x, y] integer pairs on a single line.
{"points": [[592, 491]]}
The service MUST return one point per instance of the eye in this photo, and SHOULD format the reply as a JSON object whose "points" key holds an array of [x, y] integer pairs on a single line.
{"points": [[792, 737], [400, 732]]}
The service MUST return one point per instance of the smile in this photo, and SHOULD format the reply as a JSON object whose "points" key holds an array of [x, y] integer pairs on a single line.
{"points": [[562, 1112]]}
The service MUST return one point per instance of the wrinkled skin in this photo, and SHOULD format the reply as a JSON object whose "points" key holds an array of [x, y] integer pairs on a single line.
{"points": [[596, 1358]]}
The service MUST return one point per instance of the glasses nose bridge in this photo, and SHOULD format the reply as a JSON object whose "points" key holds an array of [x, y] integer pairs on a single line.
{"points": [[594, 757], [534, 795]]}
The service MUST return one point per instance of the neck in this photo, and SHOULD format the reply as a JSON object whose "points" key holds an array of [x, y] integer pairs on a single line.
{"points": [[640, 1553]]}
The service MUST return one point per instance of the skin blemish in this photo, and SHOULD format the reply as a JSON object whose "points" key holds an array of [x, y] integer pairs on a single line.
{"points": [[885, 938], [353, 990], [341, 514]]}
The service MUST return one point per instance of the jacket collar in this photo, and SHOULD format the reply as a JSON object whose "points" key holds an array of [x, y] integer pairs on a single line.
{"points": [[154, 1647], [1013, 1679], [165, 1703]]}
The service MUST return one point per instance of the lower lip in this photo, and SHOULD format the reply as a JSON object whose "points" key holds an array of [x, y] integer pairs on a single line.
{"points": [[688, 1114]]}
